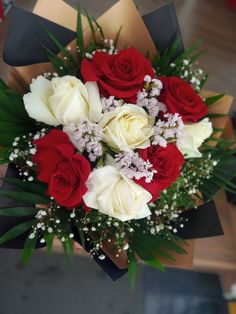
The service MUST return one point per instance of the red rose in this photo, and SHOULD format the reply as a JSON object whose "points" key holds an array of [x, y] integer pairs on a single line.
{"points": [[64, 171], [120, 75], [180, 97], [167, 162]]}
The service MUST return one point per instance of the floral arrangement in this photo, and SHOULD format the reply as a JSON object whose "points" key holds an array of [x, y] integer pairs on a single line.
{"points": [[112, 147]]}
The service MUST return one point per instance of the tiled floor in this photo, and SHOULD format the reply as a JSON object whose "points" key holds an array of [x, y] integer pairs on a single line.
{"points": [[49, 286]]}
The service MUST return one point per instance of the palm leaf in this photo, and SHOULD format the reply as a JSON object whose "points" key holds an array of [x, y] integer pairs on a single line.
{"points": [[213, 99], [37, 188], [155, 263], [25, 197], [28, 249], [80, 36], [132, 267], [61, 48], [19, 211], [17, 231]]}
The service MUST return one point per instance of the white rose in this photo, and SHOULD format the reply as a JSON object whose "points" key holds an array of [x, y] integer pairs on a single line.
{"points": [[127, 127], [115, 195], [63, 100], [194, 135]]}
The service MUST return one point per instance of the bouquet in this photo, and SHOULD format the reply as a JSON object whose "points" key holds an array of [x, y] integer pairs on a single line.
{"points": [[115, 144]]}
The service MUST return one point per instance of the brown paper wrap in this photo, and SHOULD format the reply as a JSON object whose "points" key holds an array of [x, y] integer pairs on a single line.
{"points": [[133, 29]]}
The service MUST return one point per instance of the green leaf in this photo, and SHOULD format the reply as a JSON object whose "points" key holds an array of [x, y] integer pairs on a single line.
{"points": [[117, 37], [13, 104], [222, 174], [28, 249], [17, 231], [58, 64], [19, 211], [149, 247], [187, 53], [216, 130], [99, 29], [70, 243], [147, 55], [49, 237], [82, 236], [3, 85], [196, 56], [91, 25], [132, 267], [226, 153], [163, 61], [155, 263], [164, 254], [29, 198], [37, 188], [68, 248], [203, 81], [225, 181], [62, 49], [80, 36], [213, 99], [216, 115], [14, 120]]}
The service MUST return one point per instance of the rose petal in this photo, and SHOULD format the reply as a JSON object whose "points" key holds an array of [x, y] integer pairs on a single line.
{"points": [[95, 105], [38, 110]]}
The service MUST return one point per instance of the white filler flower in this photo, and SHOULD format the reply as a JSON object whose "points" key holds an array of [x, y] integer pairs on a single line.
{"points": [[115, 195], [63, 100], [194, 135]]}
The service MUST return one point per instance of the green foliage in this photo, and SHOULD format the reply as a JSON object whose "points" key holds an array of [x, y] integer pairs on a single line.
{"points": [[155, 263], [223, 172], [28, 249], [91, 26], [117, 38], [33, 193], [65, 66], [4, 155], [18, 211], [82, 236], [49, 237], [17, 231], [80, 37], [14, 120], [68, 248], [132, 267], [178, 194], [150, 248], [203, 81], [161, 63], [33, 187], [25, 197], [213, 99], [216, 115]]}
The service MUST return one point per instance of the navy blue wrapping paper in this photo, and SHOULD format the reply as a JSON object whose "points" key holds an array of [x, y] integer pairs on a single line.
{"points": [[164, 29], [23, 45]]}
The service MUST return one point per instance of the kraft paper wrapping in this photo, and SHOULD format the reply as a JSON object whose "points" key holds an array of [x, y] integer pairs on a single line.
{"points": [[222, 106], [127, 16], [133, 29]]}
